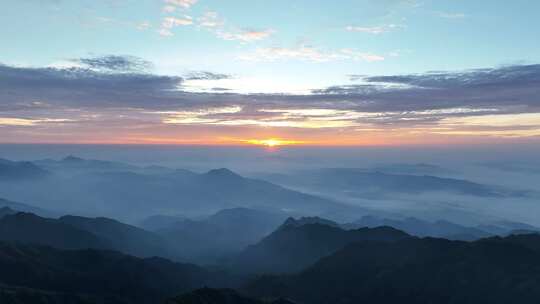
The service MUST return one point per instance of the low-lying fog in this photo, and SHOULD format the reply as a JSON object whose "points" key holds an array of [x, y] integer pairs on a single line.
{"points": [[466, 185]]}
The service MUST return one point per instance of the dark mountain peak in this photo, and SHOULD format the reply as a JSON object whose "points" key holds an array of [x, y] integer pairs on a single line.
{"points": [[384, 233], [72, 159], [292, 222], [295, 246], [223, 173]]}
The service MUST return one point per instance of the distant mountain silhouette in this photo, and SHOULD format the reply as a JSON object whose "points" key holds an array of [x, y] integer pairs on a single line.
{"points": [[73, 165], [219, 296], [376, 184], [495, 270], [225, 233], [122, 237], [131, 194], [17, 171], [30, 228], [20, 207], [293, 247], [292, 222], [109, 276], [417, 227]]}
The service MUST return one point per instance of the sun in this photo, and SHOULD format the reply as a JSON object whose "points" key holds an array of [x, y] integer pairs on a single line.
{"points": [[272, 142]]}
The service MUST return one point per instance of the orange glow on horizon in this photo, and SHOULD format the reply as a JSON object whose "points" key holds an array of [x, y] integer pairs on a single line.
{"points": [[272, 142]]}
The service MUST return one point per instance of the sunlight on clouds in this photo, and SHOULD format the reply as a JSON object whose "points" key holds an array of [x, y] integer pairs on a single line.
{"points": [[504, 125], [24, 122], [503, 120], [308, 53], [197, 117]]}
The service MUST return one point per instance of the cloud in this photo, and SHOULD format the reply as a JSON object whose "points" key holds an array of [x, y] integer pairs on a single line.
{"points": [[114, 63], [169, 23], [26, 122], [204, 75], [246, 35], [181, 3], [501, 102], [143, 25], [308, 53], [210, 20], [451, 15], [374, 29]]}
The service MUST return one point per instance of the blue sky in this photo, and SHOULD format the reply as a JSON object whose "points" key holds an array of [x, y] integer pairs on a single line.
{"points": [[292, 47], [407, 36]]}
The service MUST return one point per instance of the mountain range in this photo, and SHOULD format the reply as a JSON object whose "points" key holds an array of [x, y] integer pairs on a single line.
{"points": [[385, 181], [105, 276], [294, 246], [97, 188], [414, 270]]}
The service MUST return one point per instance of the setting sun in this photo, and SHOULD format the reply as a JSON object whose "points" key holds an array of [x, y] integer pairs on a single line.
{"points": [[272, 142]]}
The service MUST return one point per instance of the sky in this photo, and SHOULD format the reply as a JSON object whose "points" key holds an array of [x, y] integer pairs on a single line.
{"points": [[295, 72]]}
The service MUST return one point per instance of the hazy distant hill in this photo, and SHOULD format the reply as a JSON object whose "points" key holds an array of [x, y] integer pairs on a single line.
{"points": [[159, 222], [72, 165], [132, 195], [30, 228], [224, 233], [412, 169], [122, 237], [423, 228], [370, 183], [293, 247], [19, 207], [109, 276], [17, 171], [416, 270]]}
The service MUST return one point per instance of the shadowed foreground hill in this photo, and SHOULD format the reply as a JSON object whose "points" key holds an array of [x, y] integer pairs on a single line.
{"points": [[219, 296], [105, 275], [30, 228], [74, 232], [294, 246], [496, 270], [123, 237]]}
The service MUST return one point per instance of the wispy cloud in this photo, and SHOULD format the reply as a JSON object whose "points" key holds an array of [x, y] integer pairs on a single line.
{"points": [[500, 102], [169, 23], [447, 15], [114, 63], [246, 35], [210, 19], [373, 29], [308, 53], [181, 3], [212, 22], [27, 122], [143, 25]]}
